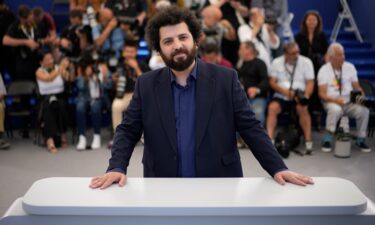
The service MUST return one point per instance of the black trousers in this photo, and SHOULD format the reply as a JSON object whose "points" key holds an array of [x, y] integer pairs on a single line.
{"points": [[54, 116]]}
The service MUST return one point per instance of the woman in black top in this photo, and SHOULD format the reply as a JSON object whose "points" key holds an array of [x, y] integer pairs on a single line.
{"points": [[313, 44], [312, 40]]}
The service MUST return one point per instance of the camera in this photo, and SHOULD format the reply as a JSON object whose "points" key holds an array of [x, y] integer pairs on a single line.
{"points": [[130, 21], [89, 54], [357, 98], [195, 6], [109, 56], [119, 11], [300, 97], [121, 82], [270, 20], [210, 31]]}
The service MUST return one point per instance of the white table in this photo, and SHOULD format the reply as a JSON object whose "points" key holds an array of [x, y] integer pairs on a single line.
{"points": [[183, 201]]}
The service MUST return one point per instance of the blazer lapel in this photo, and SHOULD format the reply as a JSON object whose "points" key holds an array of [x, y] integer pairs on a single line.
{"points": [[204, 100], [164, 98]]}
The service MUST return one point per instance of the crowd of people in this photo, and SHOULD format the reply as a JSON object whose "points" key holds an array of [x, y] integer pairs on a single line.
{"points": [[95, 59]]}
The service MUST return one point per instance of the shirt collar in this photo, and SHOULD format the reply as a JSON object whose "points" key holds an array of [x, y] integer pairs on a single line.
{"points": [[193, 73]]}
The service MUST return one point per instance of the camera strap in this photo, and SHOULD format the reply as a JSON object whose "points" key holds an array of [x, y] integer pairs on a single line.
{"points": [[291, 73], [338, 79], [259, 35], [28, 35]]}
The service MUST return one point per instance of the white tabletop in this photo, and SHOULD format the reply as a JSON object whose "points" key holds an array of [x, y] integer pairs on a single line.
{"points": [[193, 197]]}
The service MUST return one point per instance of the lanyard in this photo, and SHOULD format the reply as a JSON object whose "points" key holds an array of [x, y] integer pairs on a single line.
{"points": [[291, 73], [338, 79], [29, 36]]}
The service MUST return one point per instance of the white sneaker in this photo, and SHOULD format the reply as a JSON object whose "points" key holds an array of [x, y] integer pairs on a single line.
{"points": [[96, 142], [309, 147], [81, 143]]}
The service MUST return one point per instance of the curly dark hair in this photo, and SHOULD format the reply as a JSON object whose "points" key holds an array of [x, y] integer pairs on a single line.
{"points": [[168, 16]]}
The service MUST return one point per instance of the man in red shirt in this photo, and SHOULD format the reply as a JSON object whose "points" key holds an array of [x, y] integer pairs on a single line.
{"points": [[211, 54]]}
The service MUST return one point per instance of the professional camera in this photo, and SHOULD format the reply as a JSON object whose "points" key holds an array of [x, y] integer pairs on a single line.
{"points": [[110, 57], [300, 97], [89, 54], [210, 31], [195, 6], [121, 82], [130, 21], [85, 29], [71, 35], [120, 14], [270, 20], [357, 98]]}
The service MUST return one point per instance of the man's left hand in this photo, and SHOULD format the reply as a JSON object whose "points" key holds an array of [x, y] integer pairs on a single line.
{"points": [[292, 177]]}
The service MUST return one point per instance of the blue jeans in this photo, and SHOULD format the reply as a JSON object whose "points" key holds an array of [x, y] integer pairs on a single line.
{"points": [[82, 107], [259, 105]]}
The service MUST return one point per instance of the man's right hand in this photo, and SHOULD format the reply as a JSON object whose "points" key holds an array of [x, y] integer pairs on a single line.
{"points": [[112, 23], [252, 92], [288, 93], [65, 43], [31, 44], [108, 179], [339, 101]]}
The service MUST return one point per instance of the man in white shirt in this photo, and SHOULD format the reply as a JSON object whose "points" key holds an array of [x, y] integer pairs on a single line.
{"points": [[289, 74], [261, 34], [336, 80]]}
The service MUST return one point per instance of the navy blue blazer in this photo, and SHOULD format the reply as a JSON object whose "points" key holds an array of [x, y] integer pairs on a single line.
{"points": [[222, 108]]}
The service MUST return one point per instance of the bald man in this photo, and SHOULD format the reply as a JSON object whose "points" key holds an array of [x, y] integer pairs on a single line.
{"points": [[107, 35], [215, 28]]}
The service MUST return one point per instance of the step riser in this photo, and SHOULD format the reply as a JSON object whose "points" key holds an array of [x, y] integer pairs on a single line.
{"points": [[360, 55], [364, 67], [357, 45]]}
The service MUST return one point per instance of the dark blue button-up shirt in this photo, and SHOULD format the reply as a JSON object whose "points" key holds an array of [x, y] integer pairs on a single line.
{"points": [[184, 109]]}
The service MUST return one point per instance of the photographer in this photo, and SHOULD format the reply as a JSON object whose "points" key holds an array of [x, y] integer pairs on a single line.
{"points": [[336, 79], [108, 37], [262, 34], [24, 35], [215, 28], [91, 82], [124, 78], [6, 19], [47, 26], [254, 78], [212, 54], [234, 11], [292, 79], [276, 15], [130, 14], [69, 41], [51, 79]]}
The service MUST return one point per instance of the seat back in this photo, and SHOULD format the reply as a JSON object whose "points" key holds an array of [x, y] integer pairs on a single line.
{"points": [[17, 88], [367, 87]]}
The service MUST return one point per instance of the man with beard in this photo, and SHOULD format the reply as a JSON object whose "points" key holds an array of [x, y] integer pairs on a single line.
{"points": [[189, 112]]}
